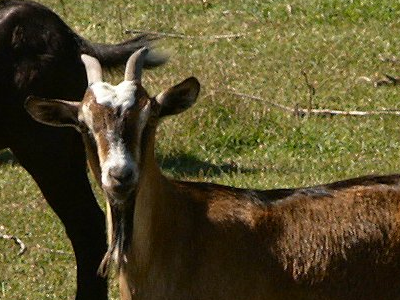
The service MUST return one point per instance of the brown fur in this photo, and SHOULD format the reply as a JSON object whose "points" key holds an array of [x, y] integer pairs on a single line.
{"points": [[204, 241]]}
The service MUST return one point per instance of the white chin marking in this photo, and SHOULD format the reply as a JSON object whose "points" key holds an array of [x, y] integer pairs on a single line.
{"points": [[122, 95]]}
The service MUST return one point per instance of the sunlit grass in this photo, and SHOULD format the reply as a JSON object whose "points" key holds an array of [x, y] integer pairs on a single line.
{"points": [[224, 138]]}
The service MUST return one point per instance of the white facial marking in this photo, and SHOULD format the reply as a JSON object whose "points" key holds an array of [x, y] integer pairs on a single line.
{"points": [[122, 95], [118, 157]]}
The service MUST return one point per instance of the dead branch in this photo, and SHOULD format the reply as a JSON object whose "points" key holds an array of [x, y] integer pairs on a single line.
{"points": [[22, 247], [388, 59], [388, 80], [320, 112], [311, 91], [184, 36]]}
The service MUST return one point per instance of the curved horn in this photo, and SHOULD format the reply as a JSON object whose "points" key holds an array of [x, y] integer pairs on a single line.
{"points": [[93, 68], [134, 66]]}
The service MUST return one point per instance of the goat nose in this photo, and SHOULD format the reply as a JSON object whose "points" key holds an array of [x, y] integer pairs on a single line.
{"points": [[120, 174]]}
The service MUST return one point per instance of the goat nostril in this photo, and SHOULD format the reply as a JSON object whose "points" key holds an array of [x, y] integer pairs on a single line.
{"points": [[120, 175]]}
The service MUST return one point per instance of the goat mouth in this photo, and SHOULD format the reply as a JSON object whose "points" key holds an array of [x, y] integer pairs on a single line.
{"points": [[119, 194]]}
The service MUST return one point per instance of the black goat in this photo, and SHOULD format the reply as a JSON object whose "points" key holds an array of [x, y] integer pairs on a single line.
{"points": [[40, 55]]}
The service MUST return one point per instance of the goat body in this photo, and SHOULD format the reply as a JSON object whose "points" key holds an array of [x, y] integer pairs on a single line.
{"points": [[40, 55], [206, 241], [177, 240]]}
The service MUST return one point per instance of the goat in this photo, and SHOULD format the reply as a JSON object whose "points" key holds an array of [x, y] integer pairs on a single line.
{"points": [[194, 240], [40, 55]]}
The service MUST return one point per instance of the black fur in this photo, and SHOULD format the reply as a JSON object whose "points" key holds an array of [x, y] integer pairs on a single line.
{"points": [[40, 55]]}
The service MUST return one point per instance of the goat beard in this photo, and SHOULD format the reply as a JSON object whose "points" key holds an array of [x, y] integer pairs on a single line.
{"points": [[121, 236]]}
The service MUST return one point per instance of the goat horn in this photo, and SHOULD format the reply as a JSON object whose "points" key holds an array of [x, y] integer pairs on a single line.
{"points": [[134, 66], [93, 68]]}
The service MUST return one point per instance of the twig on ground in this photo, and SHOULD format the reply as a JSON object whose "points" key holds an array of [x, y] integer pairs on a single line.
{"points": [[390, 59], [184, 36], [3, 289], [387, 80], [311, 91], [321, 112], [18, 241]]}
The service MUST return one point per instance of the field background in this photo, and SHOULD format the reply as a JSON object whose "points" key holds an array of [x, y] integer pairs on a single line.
{"points": [[225, 138]]}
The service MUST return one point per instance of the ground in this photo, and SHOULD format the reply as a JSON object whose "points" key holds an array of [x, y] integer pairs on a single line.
{"points": [[259, 48]]}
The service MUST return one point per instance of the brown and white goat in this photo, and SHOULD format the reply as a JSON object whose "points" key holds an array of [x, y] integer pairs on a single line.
{"points": [[192, 240]]}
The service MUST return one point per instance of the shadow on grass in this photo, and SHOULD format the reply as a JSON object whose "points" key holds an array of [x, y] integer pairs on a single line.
{"points": [[180, 164], [190, 165]]}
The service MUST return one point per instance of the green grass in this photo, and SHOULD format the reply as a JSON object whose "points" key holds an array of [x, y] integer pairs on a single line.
{"points": [[224, 138]]}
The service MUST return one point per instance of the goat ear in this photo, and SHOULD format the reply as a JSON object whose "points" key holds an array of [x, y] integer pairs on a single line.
{"points": [[53, 112], [179, 98]]}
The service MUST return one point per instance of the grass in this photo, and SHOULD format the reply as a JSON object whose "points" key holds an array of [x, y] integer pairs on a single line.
{"points": [[226, 139]]}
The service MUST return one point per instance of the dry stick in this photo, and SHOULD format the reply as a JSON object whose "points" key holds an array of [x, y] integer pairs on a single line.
{"points": [[311, 91], [16, 240], [393, 80], [184, 36], [323, 112]]}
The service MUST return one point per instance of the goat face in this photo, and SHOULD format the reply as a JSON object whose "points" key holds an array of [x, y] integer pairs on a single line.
{"points": [[112, 120], [117, 123]]}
